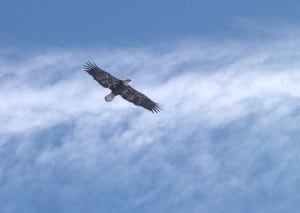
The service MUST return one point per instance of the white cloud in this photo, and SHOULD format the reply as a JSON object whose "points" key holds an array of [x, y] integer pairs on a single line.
{"points": [[230, 116]]}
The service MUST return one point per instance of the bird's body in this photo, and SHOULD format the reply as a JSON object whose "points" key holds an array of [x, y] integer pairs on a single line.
{"points": [[120, 87], [117, 90]]}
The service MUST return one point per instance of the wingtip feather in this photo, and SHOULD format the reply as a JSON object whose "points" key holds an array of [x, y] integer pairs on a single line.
{"points": [[156, 109], [89, 65]]}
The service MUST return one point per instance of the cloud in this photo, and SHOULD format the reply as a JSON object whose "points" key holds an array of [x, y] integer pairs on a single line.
{"points": [[226, 139]]}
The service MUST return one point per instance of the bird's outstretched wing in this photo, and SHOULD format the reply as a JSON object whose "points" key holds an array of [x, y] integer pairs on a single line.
{"points": [[101, 76], [139, 99]]}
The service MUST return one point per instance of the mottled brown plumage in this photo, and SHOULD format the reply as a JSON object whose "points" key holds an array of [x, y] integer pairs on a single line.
{"points": [[119, 87]]}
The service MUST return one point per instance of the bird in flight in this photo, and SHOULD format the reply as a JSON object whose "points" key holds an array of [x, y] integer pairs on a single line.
{"points": [[120, 87]]}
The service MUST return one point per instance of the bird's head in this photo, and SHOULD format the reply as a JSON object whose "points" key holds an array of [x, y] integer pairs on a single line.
{"points": [[126, 82]]}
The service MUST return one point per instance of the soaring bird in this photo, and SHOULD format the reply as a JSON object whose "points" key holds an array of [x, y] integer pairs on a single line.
{"points": [[120, 87]]}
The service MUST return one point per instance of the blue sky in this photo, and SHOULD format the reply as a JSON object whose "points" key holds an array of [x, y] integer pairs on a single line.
{"points": [[226, 73], [130, 22]]}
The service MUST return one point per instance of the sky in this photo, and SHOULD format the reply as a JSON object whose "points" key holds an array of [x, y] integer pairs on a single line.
{"points": [[225, 73]]}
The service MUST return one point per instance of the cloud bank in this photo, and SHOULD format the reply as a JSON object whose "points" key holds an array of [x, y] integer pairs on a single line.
{"points": [[226, 141]]}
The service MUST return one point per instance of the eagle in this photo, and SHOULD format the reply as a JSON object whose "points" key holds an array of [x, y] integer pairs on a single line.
{"points": [[120, 87]]}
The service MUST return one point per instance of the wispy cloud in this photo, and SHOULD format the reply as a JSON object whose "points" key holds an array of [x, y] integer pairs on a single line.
{"points": [[227, 138]]}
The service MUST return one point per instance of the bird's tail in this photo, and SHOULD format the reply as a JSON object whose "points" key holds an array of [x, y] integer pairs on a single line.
{"points": [[109, 97]]}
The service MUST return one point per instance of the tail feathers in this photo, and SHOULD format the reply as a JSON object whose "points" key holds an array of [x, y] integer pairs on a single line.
{"points": [[109, 97]]}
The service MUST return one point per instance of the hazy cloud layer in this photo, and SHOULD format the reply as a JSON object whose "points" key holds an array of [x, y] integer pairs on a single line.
{"points": [[227, 139]]}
